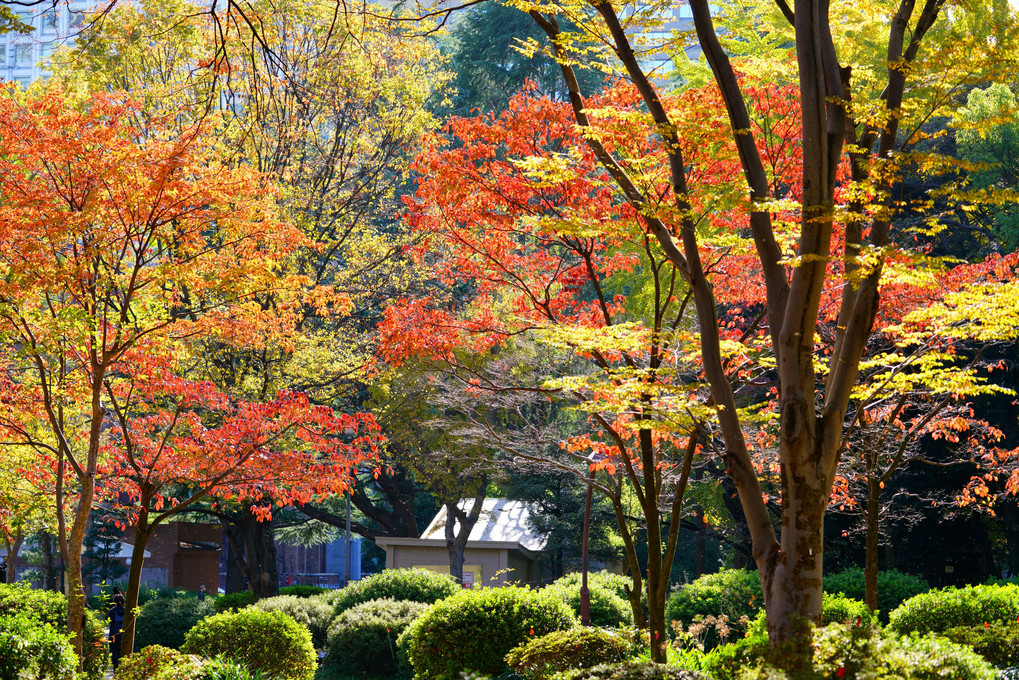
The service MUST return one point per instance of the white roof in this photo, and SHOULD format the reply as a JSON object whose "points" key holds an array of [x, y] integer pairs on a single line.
{"points": [[500, 521]]}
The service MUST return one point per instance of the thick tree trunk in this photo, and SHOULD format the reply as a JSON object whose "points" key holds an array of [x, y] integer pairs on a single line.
{"points": [[13, 549], [873, 530], [456, 541], [134, 580], [263, 572], [72, 563], [49, 569]]}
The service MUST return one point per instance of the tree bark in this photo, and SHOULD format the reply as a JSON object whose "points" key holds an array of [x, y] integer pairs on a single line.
{"points": [[13, 548], [142, 534], [456, 542], [873, 531]]}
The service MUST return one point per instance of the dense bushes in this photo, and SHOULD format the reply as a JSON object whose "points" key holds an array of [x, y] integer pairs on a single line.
{"points": [[50, 607], [734, 593], [542, 657], [270, 642], [232, 601], [607, 607], [156, 662], [363, 638], [165, 621], [302, 590], [311, 612], [849, 652], [615, 583], [630, 670], [837, 608], [416, 585], [475, 629], [998, 644], [939, 610], [32, 649], [893, 587]]}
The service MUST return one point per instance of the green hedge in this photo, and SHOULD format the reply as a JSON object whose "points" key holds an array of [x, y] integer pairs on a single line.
{"points": [[998, 644], [302, 591], [939, 610], [416, 585], [234, 601], [270, 642], [604, 580], [362, 640], [475, 629], [734, 593], [631, 670], [310, 612], [50, 607], [31, 649], [165, 621], [542, 657], [893, 587], [155, 662], [837, 608], [608, 609]]}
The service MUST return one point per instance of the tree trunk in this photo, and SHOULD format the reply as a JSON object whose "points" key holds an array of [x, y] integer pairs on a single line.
{"points": [[873, 530], [134, 580], [72, 563], [263, 576], [13, 548], [456, 542], [49, 570]]}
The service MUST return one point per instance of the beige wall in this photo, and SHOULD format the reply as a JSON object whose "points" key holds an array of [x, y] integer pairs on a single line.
{"points": [[492, 567]]}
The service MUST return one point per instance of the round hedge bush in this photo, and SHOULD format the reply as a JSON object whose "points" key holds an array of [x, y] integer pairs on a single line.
{"points": [[837, 608], [156, 662], [310, 612], [234, 601], [475, 629], [608, 609], [998, 644], [165, 621], [893, 587], [51, 607], [270, 642], [542, 657], [416, 585], [302, 590], [362, 640], [36, 650], [939, 610], [733, 592], [630, 670], [604, 580]]}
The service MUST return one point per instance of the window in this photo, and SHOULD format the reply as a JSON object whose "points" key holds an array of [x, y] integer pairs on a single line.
{"points": [[22, 55], [50, 22], [76, 21], [3, 56]]}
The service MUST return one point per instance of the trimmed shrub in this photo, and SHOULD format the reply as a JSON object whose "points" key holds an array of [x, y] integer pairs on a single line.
{"points": [[631, 670], [893, 587], [234, 601], [838, 608], [608, 609], [850, 652], [998, 644], [475, 629], [363, 638], [542, 657], [50, 607], [165, 621], [312, 613], [32, 649], [156, 662], [302, 590], [602, 580], [416, 585], [939, 610], [270, 642], [734, 592], [225, 669]]}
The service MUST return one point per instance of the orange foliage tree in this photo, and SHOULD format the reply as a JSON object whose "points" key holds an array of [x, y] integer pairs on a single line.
{"points": [[120, 243], [531, 247]]}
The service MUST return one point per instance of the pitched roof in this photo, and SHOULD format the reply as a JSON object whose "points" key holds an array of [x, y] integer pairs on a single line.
{"points": [[501, 520]]}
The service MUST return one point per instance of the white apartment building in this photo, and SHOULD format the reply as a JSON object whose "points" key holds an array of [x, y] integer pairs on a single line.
{"points": [[23, 57]]}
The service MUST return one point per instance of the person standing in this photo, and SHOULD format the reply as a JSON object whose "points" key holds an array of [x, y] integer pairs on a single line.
{"points": [[201, 593], [116, 617]]}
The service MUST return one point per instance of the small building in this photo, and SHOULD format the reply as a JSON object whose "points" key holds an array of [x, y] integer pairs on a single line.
{"points": [[321, 565], [180, 555], [501, 549]]}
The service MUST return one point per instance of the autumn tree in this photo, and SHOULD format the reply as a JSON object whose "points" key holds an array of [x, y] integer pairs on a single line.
{"points": [[115, 237]]}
